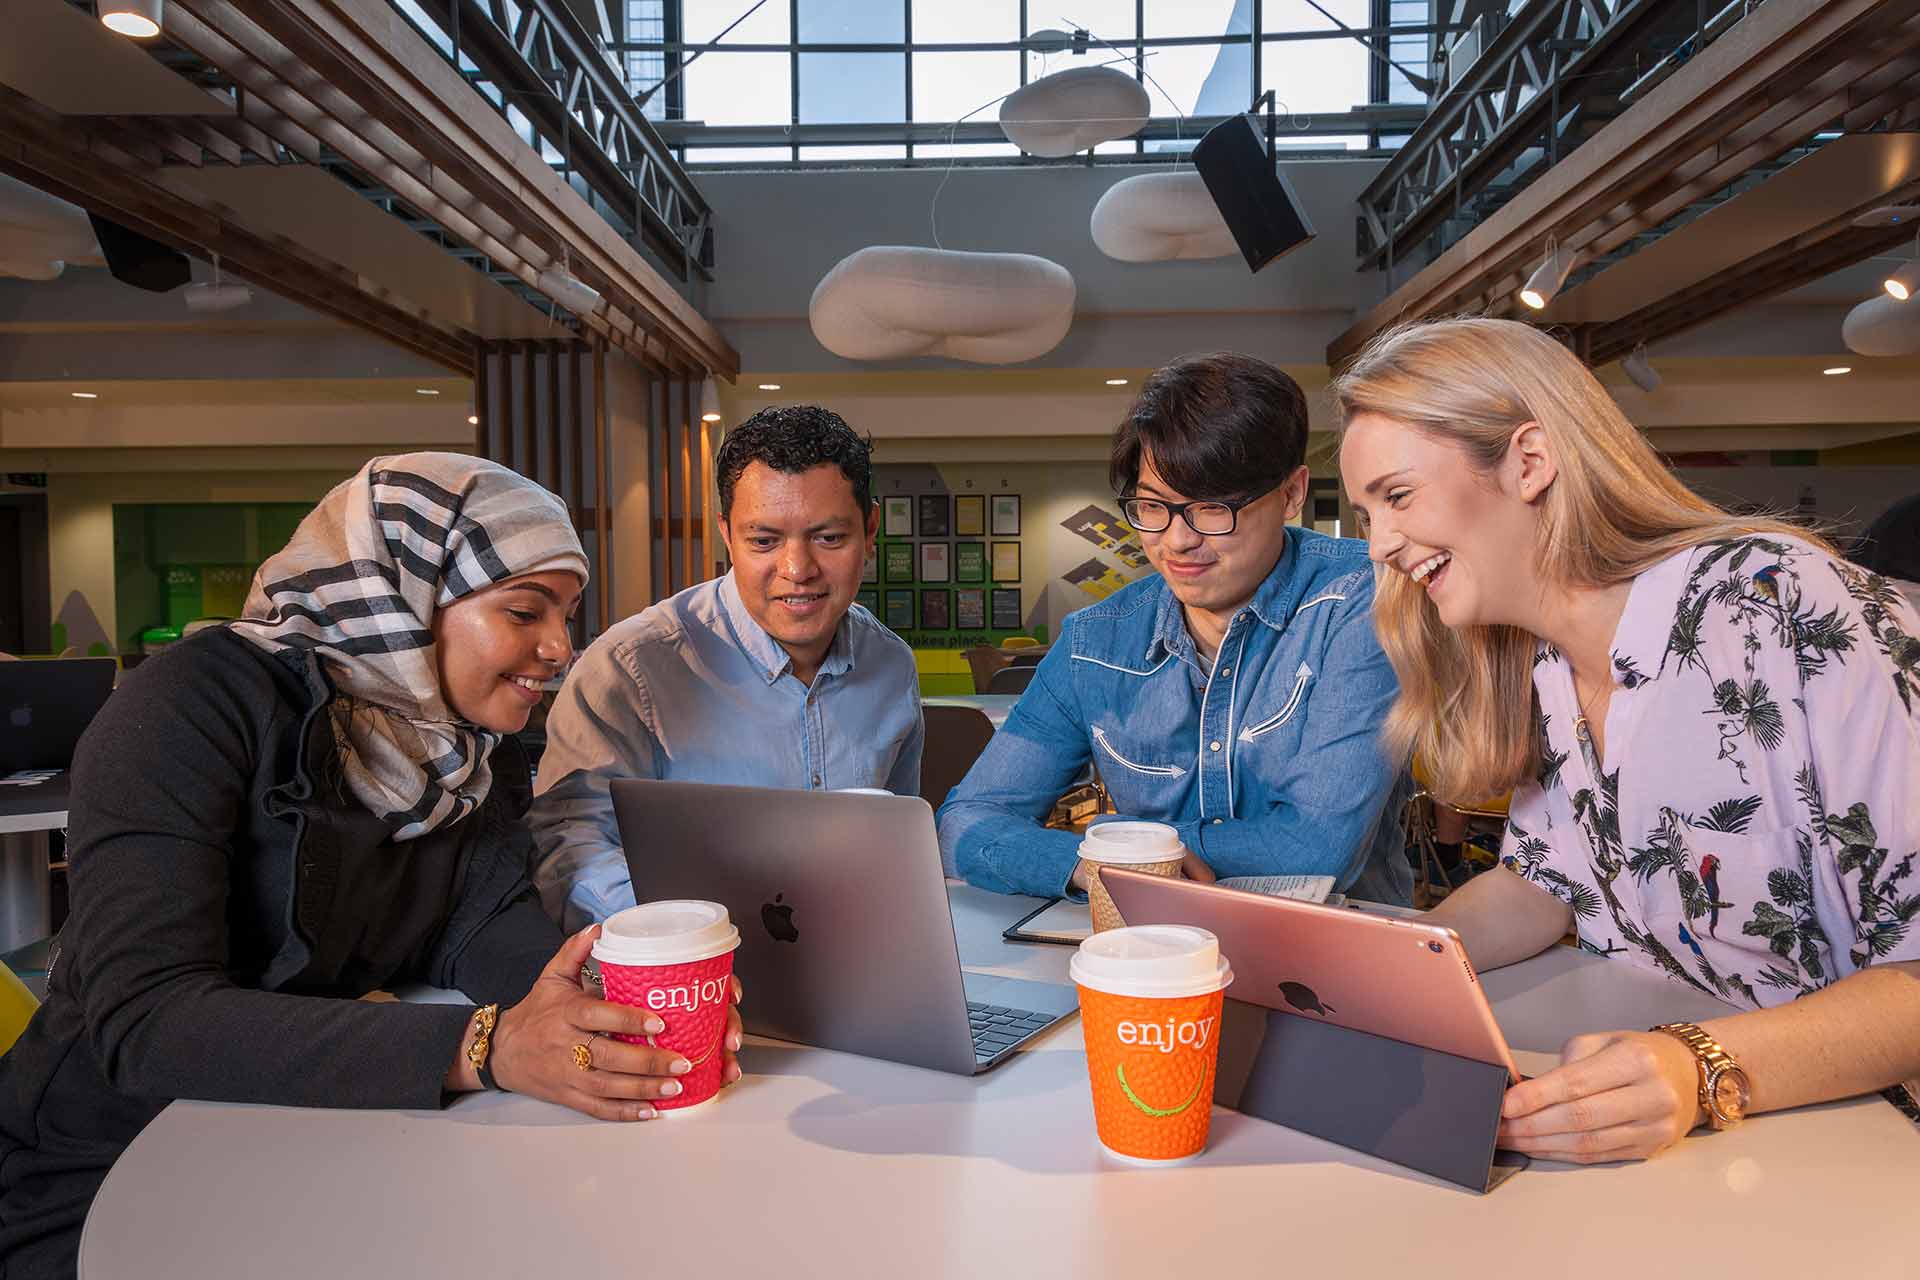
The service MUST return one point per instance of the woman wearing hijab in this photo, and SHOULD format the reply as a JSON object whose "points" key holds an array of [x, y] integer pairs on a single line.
{"points": [[1710, 723], [324, 799]]}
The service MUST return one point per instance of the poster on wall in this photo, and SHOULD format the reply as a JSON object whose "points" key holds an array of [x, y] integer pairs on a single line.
{"points": [[1006, 608], [1006, 562], [870, 571], [936, 613], [899, 518], [1006, 515], [900, 609], [899, 567], [970, 609], [933, 515], [935, 563], [868, 600], [969, 515], [969, 562]]}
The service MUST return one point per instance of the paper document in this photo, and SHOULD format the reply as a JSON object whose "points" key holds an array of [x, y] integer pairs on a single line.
{"points": [[1303, 888]]}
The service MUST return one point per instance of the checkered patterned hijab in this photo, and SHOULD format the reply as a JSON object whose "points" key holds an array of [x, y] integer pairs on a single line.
{"points": [[358, 585]]}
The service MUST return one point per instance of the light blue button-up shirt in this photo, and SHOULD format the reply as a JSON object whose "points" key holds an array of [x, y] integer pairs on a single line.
{"points": [[1268, 762], [693, 689]]}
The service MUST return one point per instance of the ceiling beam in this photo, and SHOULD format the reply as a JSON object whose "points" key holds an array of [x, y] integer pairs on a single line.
{"points": [[1766, 84], [85, 163], [394, 92]]}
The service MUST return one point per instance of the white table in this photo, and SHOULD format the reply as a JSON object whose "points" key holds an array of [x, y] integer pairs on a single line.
{"points": [[822, 1164]]}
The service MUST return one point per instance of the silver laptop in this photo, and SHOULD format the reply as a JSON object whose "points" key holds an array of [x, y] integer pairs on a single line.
{"points": [[846, 936]]}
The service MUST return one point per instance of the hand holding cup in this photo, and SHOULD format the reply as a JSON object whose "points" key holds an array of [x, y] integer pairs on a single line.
{"points": [[534, 1045]]}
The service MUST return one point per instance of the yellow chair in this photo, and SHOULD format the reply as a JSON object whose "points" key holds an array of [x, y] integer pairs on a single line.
{"points": [[1420, 820], [16, 1008]]}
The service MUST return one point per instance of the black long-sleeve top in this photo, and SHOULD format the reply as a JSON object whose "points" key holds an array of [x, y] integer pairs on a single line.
{"points": [[230, 902]]}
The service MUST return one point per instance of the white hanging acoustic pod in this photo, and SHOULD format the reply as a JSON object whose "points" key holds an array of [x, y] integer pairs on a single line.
{"points": [[893, 302], [1072, 110], [1882, 326], [41, 234], [1159, 217]]}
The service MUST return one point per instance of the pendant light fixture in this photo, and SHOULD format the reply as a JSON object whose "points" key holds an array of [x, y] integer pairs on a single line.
{"points": [[1547, 277], [140, 19]]}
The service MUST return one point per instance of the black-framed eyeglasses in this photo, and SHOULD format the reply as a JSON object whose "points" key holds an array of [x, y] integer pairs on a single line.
{"points": [[1210, 519]]}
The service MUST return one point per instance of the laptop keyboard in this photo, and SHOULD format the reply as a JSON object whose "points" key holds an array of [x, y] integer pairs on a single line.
{"points": [[997, 1028]]}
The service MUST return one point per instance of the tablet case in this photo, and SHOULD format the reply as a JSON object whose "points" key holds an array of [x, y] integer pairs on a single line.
{"points": [[1421, 1108]]}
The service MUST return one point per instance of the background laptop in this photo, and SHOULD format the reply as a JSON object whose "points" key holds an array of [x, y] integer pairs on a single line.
{"points": [[846, 936], [45, 706]]}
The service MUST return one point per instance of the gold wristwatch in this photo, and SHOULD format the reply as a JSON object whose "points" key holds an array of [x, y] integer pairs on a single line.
{"points": [[1724, 1089], [484, 1019]]}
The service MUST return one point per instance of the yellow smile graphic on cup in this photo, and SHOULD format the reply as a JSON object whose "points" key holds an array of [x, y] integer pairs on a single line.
{"points": [[1157, 1113]]}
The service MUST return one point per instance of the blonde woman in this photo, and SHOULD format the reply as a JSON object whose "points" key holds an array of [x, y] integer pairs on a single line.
{"points": [[1711, 725]]}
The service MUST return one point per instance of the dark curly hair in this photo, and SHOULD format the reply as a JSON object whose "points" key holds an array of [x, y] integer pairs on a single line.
{"points": [[1220, 425], [793, 438]]}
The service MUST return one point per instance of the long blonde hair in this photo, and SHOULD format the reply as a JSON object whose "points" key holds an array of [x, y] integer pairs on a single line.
{"points": [[1466, 706]]}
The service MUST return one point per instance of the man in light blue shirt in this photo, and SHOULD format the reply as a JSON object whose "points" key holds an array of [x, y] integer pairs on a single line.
{"points": [[770, 676]]}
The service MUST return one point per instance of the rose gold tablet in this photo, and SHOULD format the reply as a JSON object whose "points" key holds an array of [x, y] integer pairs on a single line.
{"points": [[1386, 976]]}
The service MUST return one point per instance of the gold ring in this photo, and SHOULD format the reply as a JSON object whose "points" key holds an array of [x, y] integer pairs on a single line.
{"points": [[583, 1057]]}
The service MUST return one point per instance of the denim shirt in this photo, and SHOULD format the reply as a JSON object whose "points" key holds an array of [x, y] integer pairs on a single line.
{"points": [[693, 689], [1269, 764]]}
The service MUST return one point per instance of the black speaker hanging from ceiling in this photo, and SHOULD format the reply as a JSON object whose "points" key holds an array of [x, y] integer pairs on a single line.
{"points": [[138, 261], [1259, 206]]}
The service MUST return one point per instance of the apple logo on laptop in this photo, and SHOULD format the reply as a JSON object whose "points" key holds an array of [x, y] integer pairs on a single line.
{"points": [[778, 917], [1302, 997], [21, 717]]}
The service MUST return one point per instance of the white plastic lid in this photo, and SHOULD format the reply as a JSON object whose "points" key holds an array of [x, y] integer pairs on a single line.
{"points": [[1152, 960], [1127, 843], [677, 931]]}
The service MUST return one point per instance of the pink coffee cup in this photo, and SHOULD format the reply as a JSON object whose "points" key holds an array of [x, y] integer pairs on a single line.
{"points": [[675, 960]]}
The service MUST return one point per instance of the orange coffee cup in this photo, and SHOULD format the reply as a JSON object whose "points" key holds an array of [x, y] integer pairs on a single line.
{"points": [[1150, 1002]]}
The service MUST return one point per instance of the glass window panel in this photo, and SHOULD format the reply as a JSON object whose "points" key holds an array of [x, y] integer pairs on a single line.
{"points": [[1118, 147], [1284, 141], [739, 88], [946, 86], [942, 150], [1200, 79], [841, 88], [851, 21], [1109, 20], [1311, 77], [702, 21], [854, 153], [738, 155], [975, 21], [1197, 17], [1298, 15]]}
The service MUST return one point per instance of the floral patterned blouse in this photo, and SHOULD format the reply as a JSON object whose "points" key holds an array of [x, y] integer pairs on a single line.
{"points": [[1754, 827]]}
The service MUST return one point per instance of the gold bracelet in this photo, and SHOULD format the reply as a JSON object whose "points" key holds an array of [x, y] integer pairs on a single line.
{"points": [[485, 1018]]}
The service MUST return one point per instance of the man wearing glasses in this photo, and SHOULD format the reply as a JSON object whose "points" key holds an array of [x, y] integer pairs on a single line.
{"points": [[1237, 696]]}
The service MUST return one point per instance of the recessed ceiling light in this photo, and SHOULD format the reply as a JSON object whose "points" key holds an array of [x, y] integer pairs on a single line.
{"points": [[709, 417], [769, 386], [1837, 370], [473, 419], [84, 395], [425, 391], [1116, 382]]}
